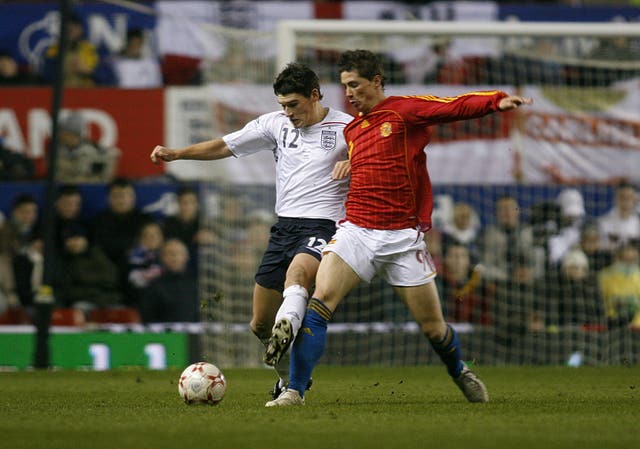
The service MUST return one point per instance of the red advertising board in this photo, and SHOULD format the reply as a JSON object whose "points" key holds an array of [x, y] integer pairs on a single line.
{"points": [[130, 120]]}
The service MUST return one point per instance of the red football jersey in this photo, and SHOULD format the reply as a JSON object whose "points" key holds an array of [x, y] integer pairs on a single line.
{"points": [[390, 186]]}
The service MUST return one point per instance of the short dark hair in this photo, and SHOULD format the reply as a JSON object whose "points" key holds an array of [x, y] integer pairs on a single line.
{"points": [[120, 183], [297, 78], [23, 198], [186, 190], [624, 184], [365, 62], [68, 189], [135, 33]]}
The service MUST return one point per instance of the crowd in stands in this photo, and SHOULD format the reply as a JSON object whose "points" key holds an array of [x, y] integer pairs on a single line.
{"points": [[512, 273], [135, 66], [138, 65], [113, 260], [578, 270]]}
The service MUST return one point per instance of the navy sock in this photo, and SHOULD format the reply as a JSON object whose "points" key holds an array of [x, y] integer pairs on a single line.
{"points": [[308, 345], [449, 351]]}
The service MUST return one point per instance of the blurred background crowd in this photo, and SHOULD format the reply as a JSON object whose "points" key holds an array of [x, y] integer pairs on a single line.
{"points": [[562, 252]]}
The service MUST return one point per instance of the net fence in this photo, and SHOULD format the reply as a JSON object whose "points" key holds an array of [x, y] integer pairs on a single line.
{"points": [[536, 263]]}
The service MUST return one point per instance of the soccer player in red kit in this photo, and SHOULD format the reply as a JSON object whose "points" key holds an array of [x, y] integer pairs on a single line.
{"points": [[388, 209]]}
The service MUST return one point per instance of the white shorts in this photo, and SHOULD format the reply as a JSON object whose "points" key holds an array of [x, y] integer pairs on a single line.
{"points": [[400, 257]]}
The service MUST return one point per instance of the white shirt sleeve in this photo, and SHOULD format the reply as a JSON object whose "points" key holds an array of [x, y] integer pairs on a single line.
{"points": [[257, 135]]}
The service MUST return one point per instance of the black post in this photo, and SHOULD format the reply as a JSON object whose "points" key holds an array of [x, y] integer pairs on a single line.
{"points": [[44, 298]]}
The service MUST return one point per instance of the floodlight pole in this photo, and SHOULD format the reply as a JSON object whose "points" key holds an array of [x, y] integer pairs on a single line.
{"points": [[45, 296]]}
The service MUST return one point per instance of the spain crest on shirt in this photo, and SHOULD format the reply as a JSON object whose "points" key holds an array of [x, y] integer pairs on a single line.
{"points": [[385, 129], [328, 140]]}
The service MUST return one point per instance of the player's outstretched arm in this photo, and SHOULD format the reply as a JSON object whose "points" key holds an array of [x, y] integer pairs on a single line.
{"points": [[341, 170], [513, 102], [203, 151]]}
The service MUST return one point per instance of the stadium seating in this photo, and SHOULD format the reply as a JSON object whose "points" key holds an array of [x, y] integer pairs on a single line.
{"points": [[67, 317], [15, 316], [124, 315]]}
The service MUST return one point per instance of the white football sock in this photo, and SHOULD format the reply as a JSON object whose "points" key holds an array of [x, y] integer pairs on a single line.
{"points": [[294, 305]]}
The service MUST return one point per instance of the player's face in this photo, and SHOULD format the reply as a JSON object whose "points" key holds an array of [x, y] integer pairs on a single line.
{"points": [[299, 109], [363, 94]]}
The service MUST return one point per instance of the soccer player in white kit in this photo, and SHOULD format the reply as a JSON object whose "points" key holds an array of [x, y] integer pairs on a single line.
{"points": [[312, 171]]}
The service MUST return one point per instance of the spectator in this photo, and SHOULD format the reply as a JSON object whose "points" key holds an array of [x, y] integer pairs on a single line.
{"points": [[572, 216], [439, 64], [81, 62], [68, 206], [85, 277], [544, 218], [11, 74], [460, 284], [503, 243], [186, 225], [21, 242], [134, 67], [14, 166], [590, 244], [620, 287], [574, 296], [80, 160], [518, 312], [173, 296], [144, 262], [462, 229], [247, 251], [621, 224], [115, 228], [8, 295]]}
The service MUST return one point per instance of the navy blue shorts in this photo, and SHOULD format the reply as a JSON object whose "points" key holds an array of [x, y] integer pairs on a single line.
{"points": [[291, 236]]}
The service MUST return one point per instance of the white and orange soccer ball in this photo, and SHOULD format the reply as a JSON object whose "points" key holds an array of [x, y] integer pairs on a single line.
{"points": [[202, 383]]}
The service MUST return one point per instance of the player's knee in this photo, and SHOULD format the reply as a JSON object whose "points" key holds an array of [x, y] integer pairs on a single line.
{"points": [[433, 329], [298, 275], [261, 329]]}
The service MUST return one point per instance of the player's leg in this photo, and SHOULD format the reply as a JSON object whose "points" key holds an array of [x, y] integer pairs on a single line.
{"points": [[300, 276], [266, 302], [267, 294], [408, 267], [265, 305], [334, 280], [424, 304], [306, 239]]}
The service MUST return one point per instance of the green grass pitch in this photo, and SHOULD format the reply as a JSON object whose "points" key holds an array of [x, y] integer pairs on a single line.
{"points": [[350, 408]]}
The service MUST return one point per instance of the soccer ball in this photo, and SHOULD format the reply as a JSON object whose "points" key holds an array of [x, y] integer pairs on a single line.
{"points": [[202, 383]]}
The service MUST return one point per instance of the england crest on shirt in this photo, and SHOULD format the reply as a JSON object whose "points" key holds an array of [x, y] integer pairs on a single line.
{"points": [[328, 140]]}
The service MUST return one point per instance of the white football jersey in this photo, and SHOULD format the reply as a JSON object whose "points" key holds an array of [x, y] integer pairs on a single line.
{"points": [[305, 158]]}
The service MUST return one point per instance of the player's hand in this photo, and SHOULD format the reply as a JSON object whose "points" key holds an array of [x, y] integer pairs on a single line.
{"points": [[161, 153], [341, 170], [513, 102]]}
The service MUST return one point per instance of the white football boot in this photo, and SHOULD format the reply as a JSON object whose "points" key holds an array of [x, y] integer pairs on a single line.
{"points": [[288, 397], [471, 386]]}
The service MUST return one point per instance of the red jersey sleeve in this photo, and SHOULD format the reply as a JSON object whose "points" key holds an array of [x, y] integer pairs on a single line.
{"points": [[430, 110]]}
